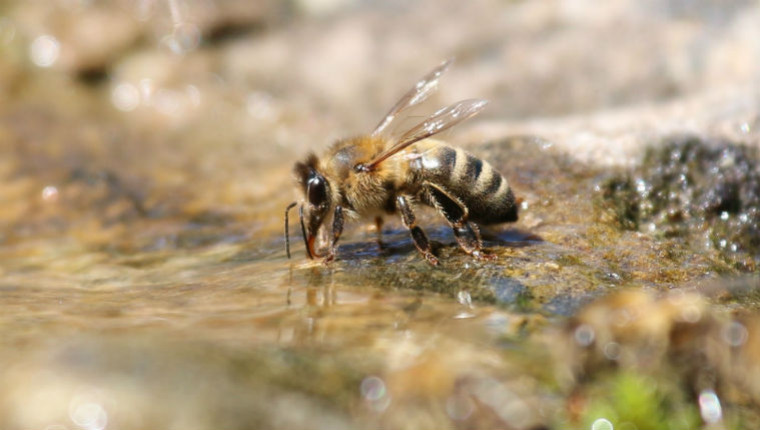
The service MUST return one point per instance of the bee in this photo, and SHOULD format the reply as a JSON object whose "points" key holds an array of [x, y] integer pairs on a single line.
{"points": [[377, 175]]}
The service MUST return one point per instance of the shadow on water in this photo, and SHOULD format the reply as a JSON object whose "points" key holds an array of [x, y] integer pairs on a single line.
{"points": [[397, 243], [397, 266], [512, 237]]}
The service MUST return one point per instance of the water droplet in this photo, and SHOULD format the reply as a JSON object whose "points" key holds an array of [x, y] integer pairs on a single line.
{"points": [[734, 334], [464, 298], [373, 388], [374, 392], [44, 50], [125, 97], [724, 216], [709, 407], [88, 415], [584, 335], [641, 186], [744, 128], [612, 350], [602, 424], [50, 194]]}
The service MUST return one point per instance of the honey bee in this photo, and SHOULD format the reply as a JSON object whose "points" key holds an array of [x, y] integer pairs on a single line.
{"points": [[376, 175]]}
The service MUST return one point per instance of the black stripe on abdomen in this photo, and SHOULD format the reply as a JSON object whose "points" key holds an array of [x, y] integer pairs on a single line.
{"points": [[448, 158], [473, 169], [493, 185]]}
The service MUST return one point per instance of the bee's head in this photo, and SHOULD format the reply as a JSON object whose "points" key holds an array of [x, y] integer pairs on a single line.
{"points": [[317, 199]]}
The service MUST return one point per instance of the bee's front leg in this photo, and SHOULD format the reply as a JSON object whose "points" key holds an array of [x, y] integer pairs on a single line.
{"points": [[456, 214], [337, 230], [418, 236]]}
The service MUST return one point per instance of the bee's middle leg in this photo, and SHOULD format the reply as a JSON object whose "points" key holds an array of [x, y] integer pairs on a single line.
{"points": [[418, 236], [456, 214]]}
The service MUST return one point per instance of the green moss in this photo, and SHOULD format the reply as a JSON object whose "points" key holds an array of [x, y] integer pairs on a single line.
{"points": [[623, 201], [631, 400]]}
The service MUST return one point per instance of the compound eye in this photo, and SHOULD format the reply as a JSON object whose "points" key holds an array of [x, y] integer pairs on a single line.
{"points": [[316, 190]]}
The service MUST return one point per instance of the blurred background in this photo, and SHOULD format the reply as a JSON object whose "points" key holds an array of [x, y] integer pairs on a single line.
{"points": [[284, 76], [146, 156]]}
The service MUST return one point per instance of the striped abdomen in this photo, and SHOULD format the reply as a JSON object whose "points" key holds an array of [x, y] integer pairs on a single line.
{"points": [[484, 191]]}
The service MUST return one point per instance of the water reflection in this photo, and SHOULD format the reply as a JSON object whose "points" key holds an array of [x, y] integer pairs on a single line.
{"points": [[584, 335], [50, 194], [734, 334], [602, 424], [709, 407], [374, 391], [88, 415], [44, 50]]}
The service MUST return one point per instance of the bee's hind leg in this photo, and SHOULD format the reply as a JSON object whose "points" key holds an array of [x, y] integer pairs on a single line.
{"points": [[455, 212], [418, 236]]}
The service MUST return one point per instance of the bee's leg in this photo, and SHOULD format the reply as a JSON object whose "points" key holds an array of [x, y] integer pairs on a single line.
{"points": [[418, 236], [337, 230], [456, 214], [379, 231]]}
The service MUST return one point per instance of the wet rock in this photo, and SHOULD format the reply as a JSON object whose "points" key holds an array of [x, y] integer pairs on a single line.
{"points": [[701, 189]]}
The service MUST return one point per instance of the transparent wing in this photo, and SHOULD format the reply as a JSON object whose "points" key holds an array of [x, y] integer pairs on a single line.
{"points": [[421, 91], [443, 119]]}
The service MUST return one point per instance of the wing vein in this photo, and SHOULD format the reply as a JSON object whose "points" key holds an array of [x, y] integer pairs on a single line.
{"points": [[441, 120], [416, 95]]}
